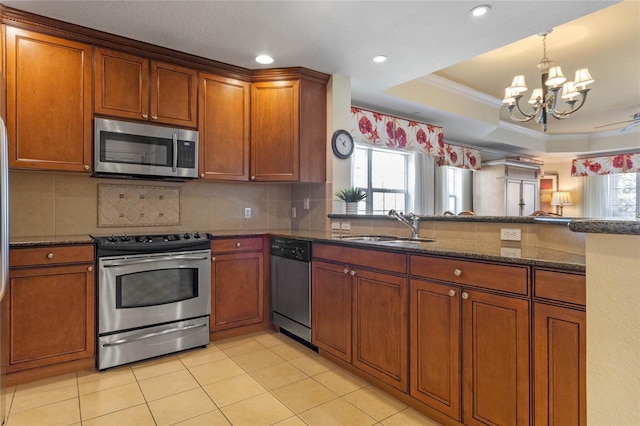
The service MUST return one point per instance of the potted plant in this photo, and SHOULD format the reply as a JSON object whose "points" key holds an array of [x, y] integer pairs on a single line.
{"points": [[351, 196]]}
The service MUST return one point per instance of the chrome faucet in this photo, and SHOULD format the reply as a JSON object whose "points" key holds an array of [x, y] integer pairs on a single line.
{"points": [[412, 225]]}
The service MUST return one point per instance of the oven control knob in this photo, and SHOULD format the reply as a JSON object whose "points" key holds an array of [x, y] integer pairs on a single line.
{"points": [[196, 235], [125, 239], [112, 239], [186, 236]]}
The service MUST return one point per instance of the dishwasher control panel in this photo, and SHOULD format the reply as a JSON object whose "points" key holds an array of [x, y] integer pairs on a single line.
{"points": [[291, 248]]}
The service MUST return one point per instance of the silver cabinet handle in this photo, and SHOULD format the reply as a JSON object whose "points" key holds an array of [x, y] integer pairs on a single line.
{"points": [[353, 273], [89, 268], [145, 116], [201, 174], [452, 293], [87, 167], [148, 336], [457, 272], [213, 259], [346, 271], [49, 255], [465, 295], [238, 245], [154, 117]]}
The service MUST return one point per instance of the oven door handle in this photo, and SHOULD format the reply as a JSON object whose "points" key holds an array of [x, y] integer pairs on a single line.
{"points": [[150, 335], [111, 263], [174, 167]]}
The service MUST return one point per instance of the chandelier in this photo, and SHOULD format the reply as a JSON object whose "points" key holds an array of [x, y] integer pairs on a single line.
{"points": [[544, 100]]}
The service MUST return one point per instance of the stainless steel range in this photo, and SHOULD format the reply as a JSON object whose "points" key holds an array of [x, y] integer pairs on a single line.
{"points": [[154, 295]]}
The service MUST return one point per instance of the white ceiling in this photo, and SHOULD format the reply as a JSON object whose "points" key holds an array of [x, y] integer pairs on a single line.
{"points": [[420, 38]]}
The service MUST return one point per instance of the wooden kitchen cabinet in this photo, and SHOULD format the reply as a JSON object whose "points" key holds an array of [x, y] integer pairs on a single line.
{"points": [[288, 126], [133, 87], [48, 102], [224, 128], [237, 283], [359, 310], [48, 311], [455, 315], [435, 346], [559, 330]]}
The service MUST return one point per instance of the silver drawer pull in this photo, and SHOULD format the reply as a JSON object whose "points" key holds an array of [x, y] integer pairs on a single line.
{"points": [[238, 245], [452, 293], [346, 270], [457, 272], [465, 295], [49, 255]]}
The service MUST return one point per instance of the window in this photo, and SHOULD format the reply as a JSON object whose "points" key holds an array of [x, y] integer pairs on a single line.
{"points": [[612, 196], [383, 174], [454, 189]]}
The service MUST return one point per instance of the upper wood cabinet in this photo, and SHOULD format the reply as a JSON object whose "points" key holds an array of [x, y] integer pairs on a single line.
{"points": [[48, 102], [224, 128], [134, 87], [288, 128]]}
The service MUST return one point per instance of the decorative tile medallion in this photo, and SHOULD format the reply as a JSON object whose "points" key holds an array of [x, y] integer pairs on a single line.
{"points": [[133, 205]]}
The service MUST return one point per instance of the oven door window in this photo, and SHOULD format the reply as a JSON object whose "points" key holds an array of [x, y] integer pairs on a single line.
{"points": [[157, 287]]}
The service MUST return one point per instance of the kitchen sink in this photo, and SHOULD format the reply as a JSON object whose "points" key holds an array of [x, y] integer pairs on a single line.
{"points": [[387, 240]]}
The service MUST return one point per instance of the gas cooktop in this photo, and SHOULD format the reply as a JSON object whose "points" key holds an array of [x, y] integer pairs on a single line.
{"points": [[140, 244]]}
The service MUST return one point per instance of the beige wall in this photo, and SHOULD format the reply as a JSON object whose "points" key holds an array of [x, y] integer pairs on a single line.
{"points": [[47, 204], [566, 182], [613, 329]]}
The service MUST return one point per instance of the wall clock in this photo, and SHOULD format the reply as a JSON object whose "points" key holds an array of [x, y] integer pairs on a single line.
{"points": [[342, 144]]}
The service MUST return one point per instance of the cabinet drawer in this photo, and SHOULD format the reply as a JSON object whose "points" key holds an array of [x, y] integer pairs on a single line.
{"points": [[560, 286], [231, 245], [51, 255], [513, 279], [388, 261]]}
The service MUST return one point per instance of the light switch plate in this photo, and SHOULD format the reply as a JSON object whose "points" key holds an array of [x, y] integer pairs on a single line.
{"points": [[247, 212]]}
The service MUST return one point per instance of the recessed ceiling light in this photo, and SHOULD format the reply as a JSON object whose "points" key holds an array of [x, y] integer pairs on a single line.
{"points": [[480, 10], [264, 59], [379, 59]]}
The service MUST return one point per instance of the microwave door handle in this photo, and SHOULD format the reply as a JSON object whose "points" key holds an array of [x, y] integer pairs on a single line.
{"points": [[122, 262], [175, 152]]}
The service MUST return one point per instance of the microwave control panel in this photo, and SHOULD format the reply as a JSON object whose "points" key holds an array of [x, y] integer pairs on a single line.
{"points": [[187, 155]]}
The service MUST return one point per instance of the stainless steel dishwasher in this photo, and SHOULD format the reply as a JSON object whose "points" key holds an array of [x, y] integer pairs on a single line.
{"points": [[291, 286]]}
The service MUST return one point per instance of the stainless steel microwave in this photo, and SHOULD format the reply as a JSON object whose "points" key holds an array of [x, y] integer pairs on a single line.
{"points": [[125, 149]]}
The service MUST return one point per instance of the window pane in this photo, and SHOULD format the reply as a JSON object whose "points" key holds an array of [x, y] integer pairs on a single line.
{"points": [[622, 196], [360, 168], [388, 170]]}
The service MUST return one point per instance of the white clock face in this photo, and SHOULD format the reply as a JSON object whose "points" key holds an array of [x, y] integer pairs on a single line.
{"points": [[343, 144]]}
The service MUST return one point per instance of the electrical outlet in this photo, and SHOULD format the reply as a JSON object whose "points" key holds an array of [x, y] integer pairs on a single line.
{"points": [[346, 226], [293, 212], [247, 212], [510, 234], [335, 225], [510, 252], [306, 203]]}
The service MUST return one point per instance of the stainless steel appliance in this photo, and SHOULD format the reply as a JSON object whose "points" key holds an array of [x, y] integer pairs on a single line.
{"points": [[139, 150], [4, 243], [154, 296], [291, 286]]}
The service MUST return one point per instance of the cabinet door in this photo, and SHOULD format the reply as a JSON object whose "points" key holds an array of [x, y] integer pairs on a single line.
{"points": [[495, 359], [530, 197], [50, 315], [380, 326], [173, 94], [237, 290], [435, 346], [560, 366], [513, 197], [224, 128], [48, 102], [275, 131], [331, 309], [121, 84]]}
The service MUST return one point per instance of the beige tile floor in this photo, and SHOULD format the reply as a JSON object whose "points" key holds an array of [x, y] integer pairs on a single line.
{"points": [[264, 378]]}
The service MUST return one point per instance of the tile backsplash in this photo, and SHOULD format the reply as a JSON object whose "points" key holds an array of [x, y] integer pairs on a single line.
{"points": [[137, 205]]}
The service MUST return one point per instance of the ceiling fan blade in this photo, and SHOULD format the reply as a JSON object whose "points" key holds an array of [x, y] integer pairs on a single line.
{"points": [[613, 124], [630, 126]]}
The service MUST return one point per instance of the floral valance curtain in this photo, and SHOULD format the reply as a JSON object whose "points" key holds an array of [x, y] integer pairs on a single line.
{"points": [[383, 130], [594, 166]]}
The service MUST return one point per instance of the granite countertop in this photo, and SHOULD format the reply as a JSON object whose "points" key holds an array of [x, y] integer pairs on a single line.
{"points": [[606, 226], [478, 250]]}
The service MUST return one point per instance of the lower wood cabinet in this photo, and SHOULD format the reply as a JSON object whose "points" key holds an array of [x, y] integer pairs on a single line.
{"points": [[359, 314], [237, 283], [559, 330], [48, 310]]}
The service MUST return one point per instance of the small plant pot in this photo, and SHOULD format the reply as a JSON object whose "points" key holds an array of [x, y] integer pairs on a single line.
{"points": [[352, 208]]}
